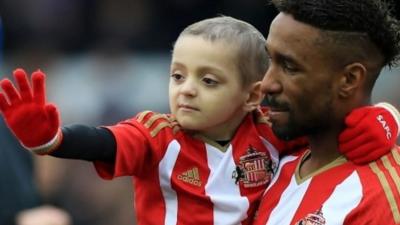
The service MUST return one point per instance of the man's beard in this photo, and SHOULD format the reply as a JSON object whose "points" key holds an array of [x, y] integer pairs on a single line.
{"points": [[288, 132], [314, 122]]}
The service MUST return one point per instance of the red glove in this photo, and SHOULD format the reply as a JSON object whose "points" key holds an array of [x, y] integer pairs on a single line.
{"points": [[35, 123], [371, 132]]}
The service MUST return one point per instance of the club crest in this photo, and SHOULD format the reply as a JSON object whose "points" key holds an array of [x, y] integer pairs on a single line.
{"points": [[315, 218], [254, 169]]}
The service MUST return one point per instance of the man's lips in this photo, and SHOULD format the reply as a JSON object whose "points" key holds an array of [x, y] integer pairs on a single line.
{"points": [[278, 109], [277, 112]]}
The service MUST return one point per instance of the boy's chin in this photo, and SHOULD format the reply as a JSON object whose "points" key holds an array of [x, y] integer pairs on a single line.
{"points": [[188, 123]]}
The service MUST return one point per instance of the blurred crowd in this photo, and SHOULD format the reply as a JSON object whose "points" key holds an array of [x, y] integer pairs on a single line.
{"points": [[76, 25], [107, 60]]}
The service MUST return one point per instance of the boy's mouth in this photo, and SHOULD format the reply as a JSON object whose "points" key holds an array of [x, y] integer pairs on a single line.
{"points": [[187, 107]]}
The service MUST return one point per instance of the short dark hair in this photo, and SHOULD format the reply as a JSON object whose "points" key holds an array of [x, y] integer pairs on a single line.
{"points": [[371, 18]]}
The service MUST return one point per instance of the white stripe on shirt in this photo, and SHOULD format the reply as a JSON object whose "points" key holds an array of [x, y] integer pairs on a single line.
{"points": [[222, 190], [165, 169]]}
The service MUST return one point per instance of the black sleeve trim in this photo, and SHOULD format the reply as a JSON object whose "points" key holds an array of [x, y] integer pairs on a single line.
{"points": [[87, 143]]}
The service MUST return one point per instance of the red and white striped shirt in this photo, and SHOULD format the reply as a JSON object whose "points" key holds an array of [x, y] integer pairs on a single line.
{"points": [[339, 193], [182, 179]]}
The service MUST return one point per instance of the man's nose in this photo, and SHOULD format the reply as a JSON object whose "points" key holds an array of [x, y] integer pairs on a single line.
{"points": [[271, 84]]}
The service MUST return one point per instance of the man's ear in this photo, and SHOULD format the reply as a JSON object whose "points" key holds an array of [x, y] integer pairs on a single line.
{"points": [[254, 97], [352, 79]]}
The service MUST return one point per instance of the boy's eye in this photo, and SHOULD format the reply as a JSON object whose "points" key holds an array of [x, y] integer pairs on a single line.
{"points": [[176, 76], [209, 81]]}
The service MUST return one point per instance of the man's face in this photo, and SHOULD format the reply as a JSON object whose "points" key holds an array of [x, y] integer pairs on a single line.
{"points": [[205, 89], [299, 85]]}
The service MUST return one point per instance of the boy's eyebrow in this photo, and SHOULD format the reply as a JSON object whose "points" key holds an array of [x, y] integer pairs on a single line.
{"points": [[177, 64], [211, 69], [200, 68]]}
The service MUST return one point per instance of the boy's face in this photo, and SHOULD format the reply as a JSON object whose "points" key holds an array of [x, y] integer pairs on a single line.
{"points": [[205, 89]]}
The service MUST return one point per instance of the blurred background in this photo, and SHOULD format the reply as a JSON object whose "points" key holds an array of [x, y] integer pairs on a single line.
{"points": [[107, 60]]}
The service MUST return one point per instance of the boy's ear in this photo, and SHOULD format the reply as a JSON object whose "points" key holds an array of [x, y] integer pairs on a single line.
{"points": [[254, 98], [353, 77]]}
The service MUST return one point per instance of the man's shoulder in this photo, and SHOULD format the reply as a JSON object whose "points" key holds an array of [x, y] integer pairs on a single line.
{"points": [[389, 163], [381, 179]]}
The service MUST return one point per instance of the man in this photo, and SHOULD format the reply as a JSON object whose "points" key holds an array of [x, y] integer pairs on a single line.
{"points": [[325, 58]]}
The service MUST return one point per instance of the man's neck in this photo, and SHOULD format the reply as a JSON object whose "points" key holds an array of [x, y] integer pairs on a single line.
{"points": [[324, 149]]}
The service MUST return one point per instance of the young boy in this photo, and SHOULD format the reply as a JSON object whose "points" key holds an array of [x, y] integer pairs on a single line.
{"points": [[208, 162]]}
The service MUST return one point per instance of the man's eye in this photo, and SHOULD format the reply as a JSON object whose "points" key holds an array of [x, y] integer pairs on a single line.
{"points": [[210, 82], [289, 68]]}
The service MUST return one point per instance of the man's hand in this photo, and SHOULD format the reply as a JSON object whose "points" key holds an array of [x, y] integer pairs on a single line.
{"points": [[370, 133], [35, 123]]}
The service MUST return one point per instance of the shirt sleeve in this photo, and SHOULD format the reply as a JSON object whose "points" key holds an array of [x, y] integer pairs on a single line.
{"points": [[140, 145]]}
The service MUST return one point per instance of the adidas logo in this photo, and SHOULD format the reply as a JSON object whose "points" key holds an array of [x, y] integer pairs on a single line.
{"points": [[191, 176]]}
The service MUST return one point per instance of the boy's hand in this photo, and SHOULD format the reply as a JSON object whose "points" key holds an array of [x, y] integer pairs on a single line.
{"points": [[370, 133], [34, 122], [43, 215]]}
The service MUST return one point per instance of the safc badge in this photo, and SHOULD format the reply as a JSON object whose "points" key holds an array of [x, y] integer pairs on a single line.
{"points": [[254, 169], [316, 218]]}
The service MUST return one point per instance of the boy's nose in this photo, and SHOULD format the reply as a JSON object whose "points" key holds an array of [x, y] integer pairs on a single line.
{"points": [[189, 88]]}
